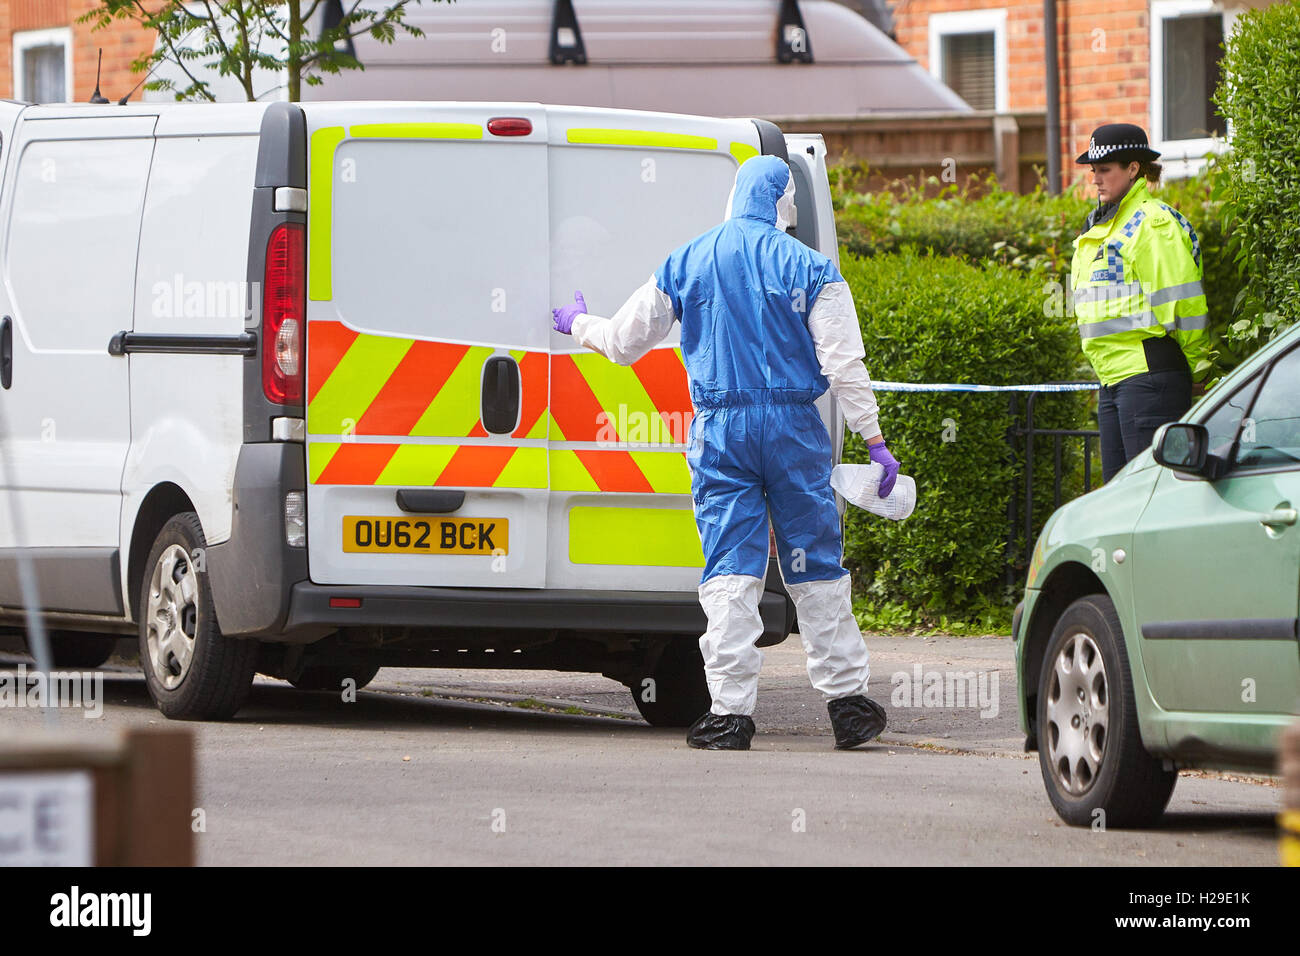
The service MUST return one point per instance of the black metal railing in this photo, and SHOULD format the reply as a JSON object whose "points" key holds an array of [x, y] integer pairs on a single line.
{"points": [[1028, 431]]}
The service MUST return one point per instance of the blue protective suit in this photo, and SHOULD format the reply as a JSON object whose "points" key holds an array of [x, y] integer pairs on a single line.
{"points": [[743, 292]]}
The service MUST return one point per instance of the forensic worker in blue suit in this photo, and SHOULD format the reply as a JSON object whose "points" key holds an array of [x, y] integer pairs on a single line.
{"points": [[768, 324]]}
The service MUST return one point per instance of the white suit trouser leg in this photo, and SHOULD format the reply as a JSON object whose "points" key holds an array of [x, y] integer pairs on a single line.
{"points": [[838, 664], [731, 661]]}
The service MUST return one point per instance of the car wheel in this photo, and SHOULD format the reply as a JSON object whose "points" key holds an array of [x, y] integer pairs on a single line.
{"points": [[674, 693], [79, 648], [1089, 748], [192, 671], [332, 676]]}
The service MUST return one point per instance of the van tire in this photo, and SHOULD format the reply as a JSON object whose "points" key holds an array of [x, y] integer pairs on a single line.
{"points": [[1120, 784], [681, 694], [79, 648], [332, 676], [214, 680]]}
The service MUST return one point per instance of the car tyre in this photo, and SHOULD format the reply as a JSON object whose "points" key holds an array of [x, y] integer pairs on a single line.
{"points": [[679, 692], [1089, 746], [192, 671], [79, 648]]}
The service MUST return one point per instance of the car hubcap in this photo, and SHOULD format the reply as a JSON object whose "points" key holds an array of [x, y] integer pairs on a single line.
{"points": [[1077, 712], [172, 617]]}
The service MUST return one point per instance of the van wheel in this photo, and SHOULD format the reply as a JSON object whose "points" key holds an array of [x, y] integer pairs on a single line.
{"points": [[193, 672], [675, 693], [79, 648], [1089, 749], [331, 677]]}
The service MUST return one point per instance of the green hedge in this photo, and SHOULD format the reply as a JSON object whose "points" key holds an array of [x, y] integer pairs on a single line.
{"points": [[939, 319], [1260, 95]]}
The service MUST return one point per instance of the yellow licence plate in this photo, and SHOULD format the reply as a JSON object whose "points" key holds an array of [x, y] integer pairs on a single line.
{"points": [[379, 535]]}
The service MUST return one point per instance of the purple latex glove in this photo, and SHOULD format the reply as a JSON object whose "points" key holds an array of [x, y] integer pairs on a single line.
{"points": [[565, 315], [880, 454]]}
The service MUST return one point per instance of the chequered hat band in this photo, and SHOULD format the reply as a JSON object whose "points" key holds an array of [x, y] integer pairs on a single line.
{"points": [[1096, 152]]}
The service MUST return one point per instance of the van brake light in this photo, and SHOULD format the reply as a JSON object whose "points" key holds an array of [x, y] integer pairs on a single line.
{"points": [[510, 126], [284, 304]]}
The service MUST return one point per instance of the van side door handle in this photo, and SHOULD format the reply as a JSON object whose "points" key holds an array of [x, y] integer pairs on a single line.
{"points": [[6, 352], [500, 399]]}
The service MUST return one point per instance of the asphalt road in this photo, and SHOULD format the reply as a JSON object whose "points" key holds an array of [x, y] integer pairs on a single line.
{"points": [[484, 767]]}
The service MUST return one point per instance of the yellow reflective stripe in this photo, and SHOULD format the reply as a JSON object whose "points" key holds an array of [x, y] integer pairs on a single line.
{"points": [[568, 473], [659, 537], [320, 212], [416, 464], [742, 152], [417, 131], [455, 409], [525, 469], [632, 413], [360, 375], [666, 471], [639, 137], [319, 454], [539, 428]]}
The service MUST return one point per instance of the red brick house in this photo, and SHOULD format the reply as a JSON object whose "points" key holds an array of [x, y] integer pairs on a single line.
{"points": [[46, 56], [1150, 62]]}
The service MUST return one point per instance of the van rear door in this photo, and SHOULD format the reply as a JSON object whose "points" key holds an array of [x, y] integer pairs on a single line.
{"points": [[428, 321]]}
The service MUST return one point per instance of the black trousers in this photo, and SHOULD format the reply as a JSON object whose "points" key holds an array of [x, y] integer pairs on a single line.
{"points": [[1129, 412]]}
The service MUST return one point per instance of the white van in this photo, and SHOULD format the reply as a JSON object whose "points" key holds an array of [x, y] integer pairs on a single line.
{"points": [[279, 391]]}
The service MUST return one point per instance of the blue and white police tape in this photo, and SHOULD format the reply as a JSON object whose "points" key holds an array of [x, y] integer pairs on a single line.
{"points": [[946, 387]]}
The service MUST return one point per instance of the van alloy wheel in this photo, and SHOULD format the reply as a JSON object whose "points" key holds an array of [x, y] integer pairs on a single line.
{"points": [[1078, 704], [172, 616]]}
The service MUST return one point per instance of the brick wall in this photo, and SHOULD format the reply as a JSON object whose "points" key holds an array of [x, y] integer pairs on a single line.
{"points": [[1104, 50], [121, 42]]}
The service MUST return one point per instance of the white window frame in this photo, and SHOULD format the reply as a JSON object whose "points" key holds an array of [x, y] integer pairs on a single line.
{"points": [[973, 21], [25, 40], [1181, 157]]}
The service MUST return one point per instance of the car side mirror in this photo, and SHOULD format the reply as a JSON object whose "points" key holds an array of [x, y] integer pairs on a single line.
{"points": [[1185, 447]]}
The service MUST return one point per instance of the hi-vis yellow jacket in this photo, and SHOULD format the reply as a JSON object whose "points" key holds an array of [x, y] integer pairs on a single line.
{"points": [[1134, 276]]}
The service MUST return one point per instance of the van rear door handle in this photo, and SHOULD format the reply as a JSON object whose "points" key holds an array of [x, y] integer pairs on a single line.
{"points": [[499, 409], [1278, 517], [6, 352]]}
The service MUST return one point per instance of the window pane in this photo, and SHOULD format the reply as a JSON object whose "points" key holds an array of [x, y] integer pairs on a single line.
{"points": [[1191, 74], [968, 68], [1223, 424], [43, 74], [1271, 435]]}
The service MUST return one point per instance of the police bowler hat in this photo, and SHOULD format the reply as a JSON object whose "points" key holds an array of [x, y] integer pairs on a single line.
{"points": [[1118, 142]]}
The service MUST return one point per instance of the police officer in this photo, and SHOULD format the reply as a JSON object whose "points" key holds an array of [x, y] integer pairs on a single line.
{"points": [[1138, 297]]}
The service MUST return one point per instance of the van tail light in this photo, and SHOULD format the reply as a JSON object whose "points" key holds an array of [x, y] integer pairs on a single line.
{"points": [[284, 308], [510, 126]]}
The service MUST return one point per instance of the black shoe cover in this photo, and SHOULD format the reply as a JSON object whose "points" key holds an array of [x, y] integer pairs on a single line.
{"points": [[721, 732], [856, 720]]}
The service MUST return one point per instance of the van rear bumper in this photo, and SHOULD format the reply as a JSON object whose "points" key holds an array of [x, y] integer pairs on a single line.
{"points": [[642, 612]]}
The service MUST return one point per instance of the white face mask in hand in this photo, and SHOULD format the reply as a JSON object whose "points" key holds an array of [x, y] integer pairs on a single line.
{"points": [[860, 484]]}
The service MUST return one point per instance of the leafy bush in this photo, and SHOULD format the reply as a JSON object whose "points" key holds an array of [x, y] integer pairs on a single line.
{"points": [[1260, 96], [939, 319], [974, 222], [983, 224]]}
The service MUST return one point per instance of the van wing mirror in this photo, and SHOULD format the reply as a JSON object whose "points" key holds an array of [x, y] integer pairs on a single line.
{"points": [[1185, 447]]}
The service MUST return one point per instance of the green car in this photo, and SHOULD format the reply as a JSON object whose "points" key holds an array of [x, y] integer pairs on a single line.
{"points": [[1159, 625]]}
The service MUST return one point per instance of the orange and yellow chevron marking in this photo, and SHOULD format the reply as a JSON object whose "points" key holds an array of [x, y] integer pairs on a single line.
{"points": [[381, 385], [463, 466], [594, 399]]}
